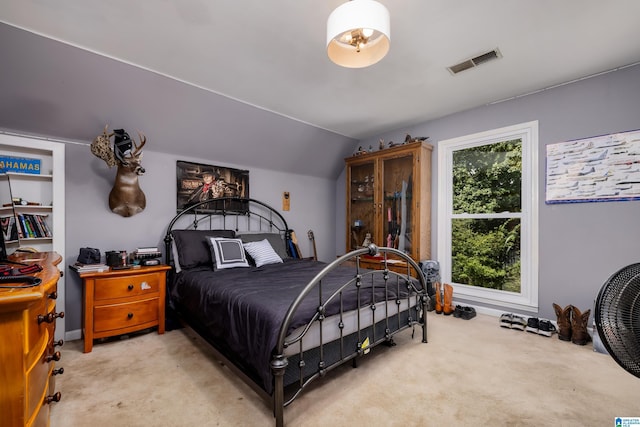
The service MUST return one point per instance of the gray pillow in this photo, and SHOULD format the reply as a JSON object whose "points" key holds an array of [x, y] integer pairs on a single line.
{"points": [[228, 253], [275, 239]]}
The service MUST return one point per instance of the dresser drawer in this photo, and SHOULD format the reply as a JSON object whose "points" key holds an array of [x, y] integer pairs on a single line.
{"points": [[39, 333], [127, 286], [42, 418], [37, 384], [125, 315]]}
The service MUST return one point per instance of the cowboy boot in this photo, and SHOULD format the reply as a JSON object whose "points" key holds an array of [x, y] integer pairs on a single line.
{"points": [[438, 299], [579, 322], [448, 307], [564, 321]]}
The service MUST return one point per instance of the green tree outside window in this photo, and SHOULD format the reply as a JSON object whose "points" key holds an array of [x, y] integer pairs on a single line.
{"points": [[485, 241]]}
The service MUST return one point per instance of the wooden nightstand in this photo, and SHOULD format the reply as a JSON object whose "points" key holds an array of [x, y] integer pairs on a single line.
{"points": [[121, 301]]}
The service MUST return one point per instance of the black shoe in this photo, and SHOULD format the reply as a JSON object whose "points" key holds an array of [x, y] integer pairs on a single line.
{"points": [[518, 322], [546, 328], [458, 311], [505, 320], [532, 325], [468, 313]]}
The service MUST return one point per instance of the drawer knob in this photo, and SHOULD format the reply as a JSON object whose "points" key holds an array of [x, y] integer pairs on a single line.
{"points": [[53, 295], [53, 398], [58, 371], [58, 343], [130, 287], [53, 357], [49, 317], [130, 315]]}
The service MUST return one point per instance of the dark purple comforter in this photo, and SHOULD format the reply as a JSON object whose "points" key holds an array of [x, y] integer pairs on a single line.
{"points": [[246, 306]]}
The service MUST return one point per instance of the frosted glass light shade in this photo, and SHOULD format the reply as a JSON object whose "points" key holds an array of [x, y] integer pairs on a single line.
{"points": [[347, 27]]}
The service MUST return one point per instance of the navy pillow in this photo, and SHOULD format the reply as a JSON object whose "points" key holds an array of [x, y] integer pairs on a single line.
{"points": [[193, 248]]}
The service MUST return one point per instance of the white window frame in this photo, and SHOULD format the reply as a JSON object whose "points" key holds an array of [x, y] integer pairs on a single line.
{"points": [[527, 298]]}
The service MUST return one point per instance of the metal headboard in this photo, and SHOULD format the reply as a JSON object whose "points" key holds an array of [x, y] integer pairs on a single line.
{"points": [[229, 213]]}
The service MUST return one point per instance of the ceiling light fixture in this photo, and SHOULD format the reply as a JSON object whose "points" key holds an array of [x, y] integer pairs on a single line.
{"points": [[358, 33]]}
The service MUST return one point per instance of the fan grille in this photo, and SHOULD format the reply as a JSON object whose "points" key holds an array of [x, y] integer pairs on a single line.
{"points": [[617, 315]]}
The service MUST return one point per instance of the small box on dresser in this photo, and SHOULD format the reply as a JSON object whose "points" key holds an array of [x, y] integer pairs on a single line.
{"points": [[118, 302]]}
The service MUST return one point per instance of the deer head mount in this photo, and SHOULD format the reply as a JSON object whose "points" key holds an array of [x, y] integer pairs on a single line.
{"points": [[126, 198]]}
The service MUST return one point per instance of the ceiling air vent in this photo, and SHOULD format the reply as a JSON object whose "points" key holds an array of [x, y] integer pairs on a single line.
{"points": [[474, 62]]}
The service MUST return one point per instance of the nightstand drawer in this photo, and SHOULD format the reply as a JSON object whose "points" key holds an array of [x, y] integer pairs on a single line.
{"points": [[126, 315], [126, 286]]}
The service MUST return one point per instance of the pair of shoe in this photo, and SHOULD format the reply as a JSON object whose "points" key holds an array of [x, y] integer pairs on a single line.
{"points": [[572, 324], [464, 312], [540, 326], [512, 321]]}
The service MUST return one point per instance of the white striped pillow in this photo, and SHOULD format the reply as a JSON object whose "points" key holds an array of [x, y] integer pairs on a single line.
{"points": [[262, 252]]}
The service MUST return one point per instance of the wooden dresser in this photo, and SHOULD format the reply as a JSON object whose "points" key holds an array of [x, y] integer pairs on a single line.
{"points": [[27, 348], [123, 301]]}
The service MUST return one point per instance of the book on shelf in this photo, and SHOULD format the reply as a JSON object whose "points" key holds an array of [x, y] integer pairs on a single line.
{"points": [[9, 228], [43, 224], [23, 226], [33, 226], [84, 268]]}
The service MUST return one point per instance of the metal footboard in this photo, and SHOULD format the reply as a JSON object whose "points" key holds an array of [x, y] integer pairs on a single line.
{"points": [[378, 328]]}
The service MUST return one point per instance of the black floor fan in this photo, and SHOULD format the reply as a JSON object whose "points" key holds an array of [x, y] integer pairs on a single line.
{"points": [[617, 316]]}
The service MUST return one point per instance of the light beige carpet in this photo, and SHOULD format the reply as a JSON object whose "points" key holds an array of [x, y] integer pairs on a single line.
{"points": [[470, 373]]}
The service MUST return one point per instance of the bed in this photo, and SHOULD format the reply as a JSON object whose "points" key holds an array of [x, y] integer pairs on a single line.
{"points": [[279, 321]]}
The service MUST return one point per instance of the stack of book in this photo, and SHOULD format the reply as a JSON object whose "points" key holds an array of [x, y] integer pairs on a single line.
{"points": [[147, 253], [85, 268]]}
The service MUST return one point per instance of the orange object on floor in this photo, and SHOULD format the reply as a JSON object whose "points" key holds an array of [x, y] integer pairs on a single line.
{"points": [[438, 298], [448, 307]]}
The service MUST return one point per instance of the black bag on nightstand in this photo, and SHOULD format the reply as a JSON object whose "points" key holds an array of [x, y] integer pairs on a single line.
{"points": [[89, 256]]}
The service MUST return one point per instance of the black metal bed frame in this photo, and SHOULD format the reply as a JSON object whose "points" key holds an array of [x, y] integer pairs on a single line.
{"points": [[328, 355]]}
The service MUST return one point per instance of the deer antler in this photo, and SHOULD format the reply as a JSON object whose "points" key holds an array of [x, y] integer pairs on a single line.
{"points": [[143, 140]]}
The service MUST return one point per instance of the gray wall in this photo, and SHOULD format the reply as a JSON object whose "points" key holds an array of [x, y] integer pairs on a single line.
{"points": [[89, 222], [582, 244]]}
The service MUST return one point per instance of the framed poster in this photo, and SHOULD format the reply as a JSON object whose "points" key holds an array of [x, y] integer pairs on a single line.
{"points": [[597, 169], [197, 182]]}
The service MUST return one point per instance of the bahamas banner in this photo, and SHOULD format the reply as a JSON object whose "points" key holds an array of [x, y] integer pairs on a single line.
{"points": [[19, 164]]}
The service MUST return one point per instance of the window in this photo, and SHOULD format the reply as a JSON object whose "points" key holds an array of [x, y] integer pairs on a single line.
{"points": [[488, 216]]}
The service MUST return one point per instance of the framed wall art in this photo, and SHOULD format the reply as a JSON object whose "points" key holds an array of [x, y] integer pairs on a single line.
{"points": [[597, 169], [197, 182]]}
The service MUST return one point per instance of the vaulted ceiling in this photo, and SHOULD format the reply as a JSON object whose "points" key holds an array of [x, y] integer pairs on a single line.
{"points": [[202, 73]]}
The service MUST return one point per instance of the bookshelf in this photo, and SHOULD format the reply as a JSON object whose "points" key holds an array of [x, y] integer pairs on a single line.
{"points": [[32, 193]]}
